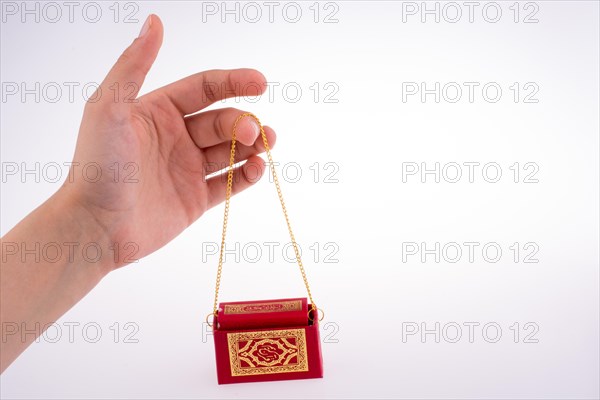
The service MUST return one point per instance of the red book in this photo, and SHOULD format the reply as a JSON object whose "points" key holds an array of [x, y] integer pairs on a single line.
{"points": [[267, 340]]}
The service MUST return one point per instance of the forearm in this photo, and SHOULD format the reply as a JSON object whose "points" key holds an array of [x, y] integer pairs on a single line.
{"points": [[49, 261]]}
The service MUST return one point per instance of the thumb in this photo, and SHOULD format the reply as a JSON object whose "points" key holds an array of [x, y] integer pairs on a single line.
{"points": [[125, 79]]}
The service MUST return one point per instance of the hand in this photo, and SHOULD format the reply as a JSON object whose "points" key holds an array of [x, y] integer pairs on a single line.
{"points": [[138, 178], [153, 159]]}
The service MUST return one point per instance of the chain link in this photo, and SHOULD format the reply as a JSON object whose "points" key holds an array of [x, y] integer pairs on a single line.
{"points": [[279, 193]]}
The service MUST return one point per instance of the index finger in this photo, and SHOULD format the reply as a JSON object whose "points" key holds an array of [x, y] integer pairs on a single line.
{"points": [[200, 90]]}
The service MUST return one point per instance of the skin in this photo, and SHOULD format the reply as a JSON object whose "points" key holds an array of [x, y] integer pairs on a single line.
{"points": [[163, 155]]}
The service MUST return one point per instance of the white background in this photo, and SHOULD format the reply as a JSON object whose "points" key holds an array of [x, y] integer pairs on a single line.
{"points": [[371, 295]]}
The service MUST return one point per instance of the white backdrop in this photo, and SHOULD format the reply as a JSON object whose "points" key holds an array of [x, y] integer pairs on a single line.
{"points": [[459, 283]]}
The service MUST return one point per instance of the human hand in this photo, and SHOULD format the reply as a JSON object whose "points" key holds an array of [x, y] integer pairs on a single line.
{"points": [[153, 158], [150, 161]]}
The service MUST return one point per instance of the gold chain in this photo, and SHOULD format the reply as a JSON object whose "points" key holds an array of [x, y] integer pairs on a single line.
{"points": [[227, 201]]}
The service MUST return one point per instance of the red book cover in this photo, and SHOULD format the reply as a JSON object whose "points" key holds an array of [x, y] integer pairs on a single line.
{"points": [[271, 354], [263, 314]]}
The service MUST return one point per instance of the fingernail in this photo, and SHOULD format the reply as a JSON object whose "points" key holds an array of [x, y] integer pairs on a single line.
{"points": [[256, 128], [146, 26]]}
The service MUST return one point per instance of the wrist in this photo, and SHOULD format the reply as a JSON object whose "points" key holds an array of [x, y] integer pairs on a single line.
{"points": [[83, 240]]}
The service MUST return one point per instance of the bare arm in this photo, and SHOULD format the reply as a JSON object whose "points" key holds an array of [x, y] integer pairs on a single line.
{"points": [[45, 270]]}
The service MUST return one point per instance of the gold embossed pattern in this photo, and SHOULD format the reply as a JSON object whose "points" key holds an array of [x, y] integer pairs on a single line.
{"points": [[267, 352], [282, 306]]}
